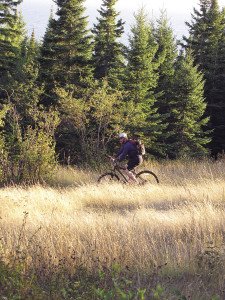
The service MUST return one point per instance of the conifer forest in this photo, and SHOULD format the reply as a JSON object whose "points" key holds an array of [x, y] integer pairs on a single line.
{"points": [[65, 98]]}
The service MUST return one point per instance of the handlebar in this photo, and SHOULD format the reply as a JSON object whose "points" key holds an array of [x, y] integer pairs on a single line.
{"points": [[113, 160], [115, 163]]}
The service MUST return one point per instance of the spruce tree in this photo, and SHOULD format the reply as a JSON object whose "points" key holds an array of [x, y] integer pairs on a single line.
{"points": [[73, 43], [32, 51], [214, 70], [198, 32], [206, 39], [66, 50], [23, 95], [8, 39], [48, 63], [187, 121], [166, 54], [108, 57], [217, 110], [20, 43], [142, 79], [47, 49], [27, 91]]}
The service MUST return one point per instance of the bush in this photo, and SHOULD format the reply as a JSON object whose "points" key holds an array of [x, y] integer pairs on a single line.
{"points": [[27, 154]]}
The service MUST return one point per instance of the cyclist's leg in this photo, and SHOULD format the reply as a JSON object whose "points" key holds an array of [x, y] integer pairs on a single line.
{"points": [[140, 157], [130, 167], [122, 165]]}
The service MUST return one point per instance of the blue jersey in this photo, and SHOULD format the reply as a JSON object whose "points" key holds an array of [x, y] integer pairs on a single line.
{"points": [[128, 150]]}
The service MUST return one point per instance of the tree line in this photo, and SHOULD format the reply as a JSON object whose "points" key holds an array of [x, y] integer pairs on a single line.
{"points": [[70, 94]]}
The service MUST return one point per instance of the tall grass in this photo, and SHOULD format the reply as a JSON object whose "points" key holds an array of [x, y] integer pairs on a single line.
{"points": [[172, 233]]}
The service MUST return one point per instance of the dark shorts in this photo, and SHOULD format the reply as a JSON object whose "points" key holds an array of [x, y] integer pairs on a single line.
{"points": [[133, 163]]}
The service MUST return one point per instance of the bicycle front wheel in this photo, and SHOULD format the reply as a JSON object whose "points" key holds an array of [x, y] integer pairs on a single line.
{"points": [[147, 176], [108, 178]]}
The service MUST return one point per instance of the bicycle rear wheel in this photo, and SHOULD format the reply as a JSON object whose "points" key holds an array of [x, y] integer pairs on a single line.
{"points": [[108, 177], [147, 176]]}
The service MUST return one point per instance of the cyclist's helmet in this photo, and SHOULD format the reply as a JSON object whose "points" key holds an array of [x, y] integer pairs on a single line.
{"points": [[123, 135]]}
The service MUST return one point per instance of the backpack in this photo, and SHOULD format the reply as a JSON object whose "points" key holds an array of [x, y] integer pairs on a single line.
{"points": [[140, 146]]}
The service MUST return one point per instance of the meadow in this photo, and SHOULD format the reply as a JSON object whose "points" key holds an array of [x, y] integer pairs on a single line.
{"points": [[75, 239]]}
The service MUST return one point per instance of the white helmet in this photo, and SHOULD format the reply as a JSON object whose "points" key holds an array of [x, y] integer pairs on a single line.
{"points": [[123, 135]]}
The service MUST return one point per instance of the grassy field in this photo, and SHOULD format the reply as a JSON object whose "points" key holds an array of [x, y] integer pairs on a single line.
{"points": [[79, 240]]}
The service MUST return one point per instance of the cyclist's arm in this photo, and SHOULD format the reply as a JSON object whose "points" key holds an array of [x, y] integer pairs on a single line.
{"points": [[124, 153], [120, 152]]}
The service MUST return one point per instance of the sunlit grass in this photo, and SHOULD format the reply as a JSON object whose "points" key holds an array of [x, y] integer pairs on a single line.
{"points": [[81, 223]]}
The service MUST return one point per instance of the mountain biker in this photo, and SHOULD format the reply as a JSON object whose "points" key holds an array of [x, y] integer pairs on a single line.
{"points": [[129, 150]]}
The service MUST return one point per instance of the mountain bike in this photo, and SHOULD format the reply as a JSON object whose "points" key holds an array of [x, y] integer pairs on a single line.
{"points": [[116, 175]]}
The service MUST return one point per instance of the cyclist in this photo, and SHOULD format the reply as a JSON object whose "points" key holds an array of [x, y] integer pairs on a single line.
{"points": [[129, 150]]}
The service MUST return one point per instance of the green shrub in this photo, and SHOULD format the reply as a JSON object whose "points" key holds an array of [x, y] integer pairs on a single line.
{"points": [[27, 152]]}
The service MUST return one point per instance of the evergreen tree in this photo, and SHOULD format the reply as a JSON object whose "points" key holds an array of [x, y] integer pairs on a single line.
{"points": [[73, 43], [187, 121], [48, 63], [31, 51], [19, 27], [166, 54], [66, 51], [108, 54], [218, 87], [27, 92], [28, 50], [205, 33], [206, 39], [214, 70], [23, 96], [198, 32], [142, 79], [9, 41]]}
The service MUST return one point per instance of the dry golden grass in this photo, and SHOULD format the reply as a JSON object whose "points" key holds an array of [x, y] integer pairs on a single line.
{"points": [[172, 224]]}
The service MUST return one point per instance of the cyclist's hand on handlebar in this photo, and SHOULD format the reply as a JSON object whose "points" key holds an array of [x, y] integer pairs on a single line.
{"points": [[112, 159]]}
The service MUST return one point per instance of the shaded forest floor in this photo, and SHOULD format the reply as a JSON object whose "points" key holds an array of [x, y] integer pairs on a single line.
{"points": [[79, 240]]}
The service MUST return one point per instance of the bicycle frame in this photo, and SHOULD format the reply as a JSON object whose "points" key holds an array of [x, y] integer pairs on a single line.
{"points": [[118, 169]]}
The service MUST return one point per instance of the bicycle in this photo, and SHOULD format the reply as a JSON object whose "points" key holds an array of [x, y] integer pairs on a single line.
{"points": [[116, 175]]}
